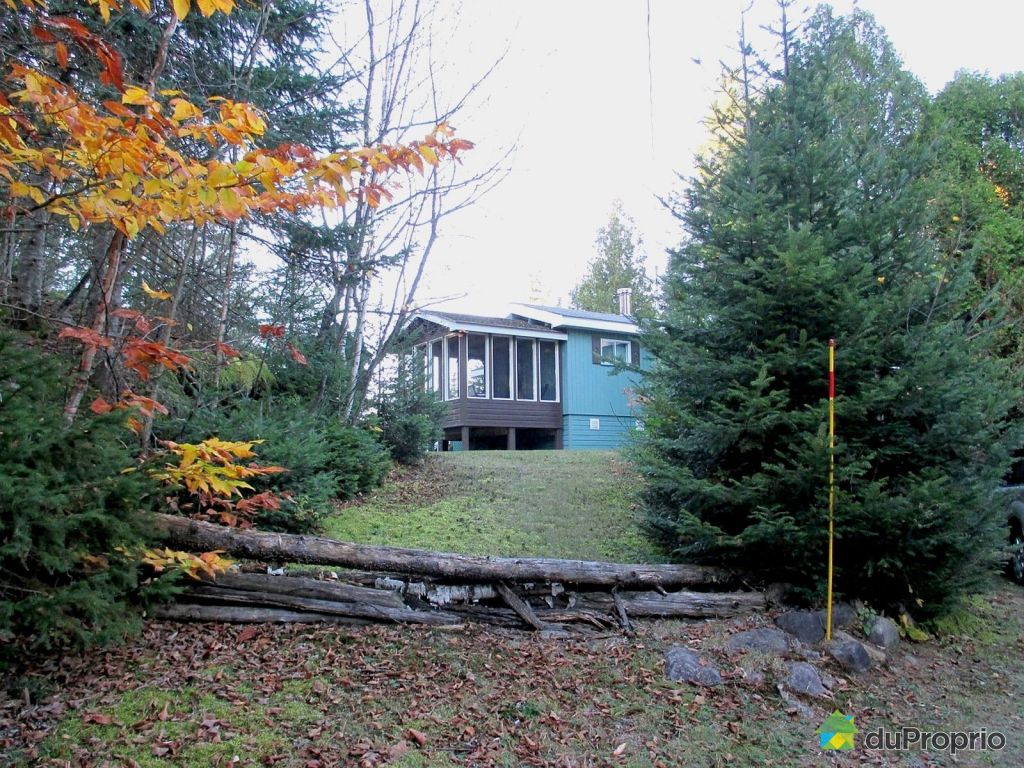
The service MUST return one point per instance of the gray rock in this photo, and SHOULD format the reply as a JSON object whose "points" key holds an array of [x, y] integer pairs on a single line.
{"points": [[804, 678], [884, 633], [797, 706], [843, 615], [878, 657], [810, 654], [851, 655], [685, 664], [806, 626], [761, 639]]}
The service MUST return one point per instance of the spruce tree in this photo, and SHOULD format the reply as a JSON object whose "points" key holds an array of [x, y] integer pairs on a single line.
{"points": [[619, 264], [807, 222]]}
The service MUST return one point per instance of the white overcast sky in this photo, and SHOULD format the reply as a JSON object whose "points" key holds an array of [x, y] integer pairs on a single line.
{"points": [[590, 125]]}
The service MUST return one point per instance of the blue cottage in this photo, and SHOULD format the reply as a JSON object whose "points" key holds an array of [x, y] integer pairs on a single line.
{"points": [[542, 377]]}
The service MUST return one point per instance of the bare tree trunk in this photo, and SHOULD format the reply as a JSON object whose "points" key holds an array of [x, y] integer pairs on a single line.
{"points": [[186, 261], [225, 296], [29, 276], [108, 273]]}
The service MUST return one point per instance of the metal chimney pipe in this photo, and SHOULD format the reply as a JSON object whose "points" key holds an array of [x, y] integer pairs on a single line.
{"points": [[625, 297]]}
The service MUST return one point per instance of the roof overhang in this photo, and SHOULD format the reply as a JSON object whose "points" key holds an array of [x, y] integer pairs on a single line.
{"points": [[556, 320], [455, 325]]}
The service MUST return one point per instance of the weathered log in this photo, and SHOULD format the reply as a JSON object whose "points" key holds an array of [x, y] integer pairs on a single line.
{"points": [[238, 614], [620, 610], [694, 605], [317, 589], [387, 613], [517, 604], [259, 545]]}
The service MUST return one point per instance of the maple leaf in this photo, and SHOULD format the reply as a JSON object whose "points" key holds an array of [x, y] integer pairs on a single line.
{"points": [[87, 336], [100, 406], [267, 329]]}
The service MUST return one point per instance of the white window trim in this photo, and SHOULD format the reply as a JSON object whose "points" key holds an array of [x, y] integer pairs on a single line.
{"points": [[629, 351], [533, 352], [558, 373], [511, 366], [447, 373], [487, 369], [438, 385]]}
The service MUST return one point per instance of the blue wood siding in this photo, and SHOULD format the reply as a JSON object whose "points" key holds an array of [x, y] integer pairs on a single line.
{"points": [[613, 432], [594, 391]]}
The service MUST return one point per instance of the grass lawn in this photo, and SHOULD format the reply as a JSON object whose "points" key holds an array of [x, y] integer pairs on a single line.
{"points": [[568, 504]]}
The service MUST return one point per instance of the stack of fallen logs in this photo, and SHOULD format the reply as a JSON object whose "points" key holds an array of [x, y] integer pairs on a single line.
{"points": [[412, 586]]}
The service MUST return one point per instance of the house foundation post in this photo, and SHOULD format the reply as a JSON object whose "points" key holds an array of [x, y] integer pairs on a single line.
{"points": [[511, 439], [465, 438]]}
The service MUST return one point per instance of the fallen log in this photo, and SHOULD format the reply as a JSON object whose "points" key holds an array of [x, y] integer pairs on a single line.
{"points": [[259, 545], [384, 613], [236, 614], [520, 606], [318, 589], [688, 605]]}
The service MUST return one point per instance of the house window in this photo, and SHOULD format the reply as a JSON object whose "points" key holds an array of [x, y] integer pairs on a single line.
{"points": [[614, 351], [525, 369], [547, 358], [452, 391], [501, 367], [435, 376], [476, 365]]}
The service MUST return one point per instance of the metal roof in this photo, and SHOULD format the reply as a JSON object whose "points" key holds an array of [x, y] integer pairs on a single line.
{"points": [[479, 323], [582, 314]]}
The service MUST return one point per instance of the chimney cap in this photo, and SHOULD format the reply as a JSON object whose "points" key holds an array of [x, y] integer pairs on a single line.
{"points": [[625, 297]]}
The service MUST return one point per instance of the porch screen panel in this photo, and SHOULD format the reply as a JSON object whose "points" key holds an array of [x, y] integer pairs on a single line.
{"points": [[524, 369], [548, 368], [452, 392], [501, 367], [476, 365], [436, 367]]}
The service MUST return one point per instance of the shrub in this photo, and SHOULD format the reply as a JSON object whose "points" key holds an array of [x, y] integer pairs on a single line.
{"points": [[65, 508], [324, 460], [409, 416]]}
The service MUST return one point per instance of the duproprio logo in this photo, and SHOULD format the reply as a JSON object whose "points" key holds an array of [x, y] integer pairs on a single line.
{"points": [[837, 732]]}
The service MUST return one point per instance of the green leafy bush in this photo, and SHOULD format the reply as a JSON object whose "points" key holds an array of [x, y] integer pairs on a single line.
{"points": [[65, 508]]}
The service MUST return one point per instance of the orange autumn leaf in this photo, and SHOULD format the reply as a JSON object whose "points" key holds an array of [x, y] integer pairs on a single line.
{"points": [[87, 336]]}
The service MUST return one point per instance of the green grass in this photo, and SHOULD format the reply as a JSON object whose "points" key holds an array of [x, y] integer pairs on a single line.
{"points": [[566, 504]]}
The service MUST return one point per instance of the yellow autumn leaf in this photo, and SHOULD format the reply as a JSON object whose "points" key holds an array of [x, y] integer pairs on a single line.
{"points": [[160, 295], [135, 95], [208, 7], [183, 110], [181, 8]]}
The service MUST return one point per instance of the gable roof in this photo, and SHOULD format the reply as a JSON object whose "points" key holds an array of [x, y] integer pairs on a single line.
{"points": [[455, 321], [561, 317]]}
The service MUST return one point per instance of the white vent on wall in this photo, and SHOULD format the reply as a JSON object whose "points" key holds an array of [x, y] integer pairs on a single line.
{"points": [[595, 423]]}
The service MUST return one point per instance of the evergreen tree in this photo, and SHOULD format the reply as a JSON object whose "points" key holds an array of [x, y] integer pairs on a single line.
{"points": [[978, 195], [807, 222], [619, 264]]}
